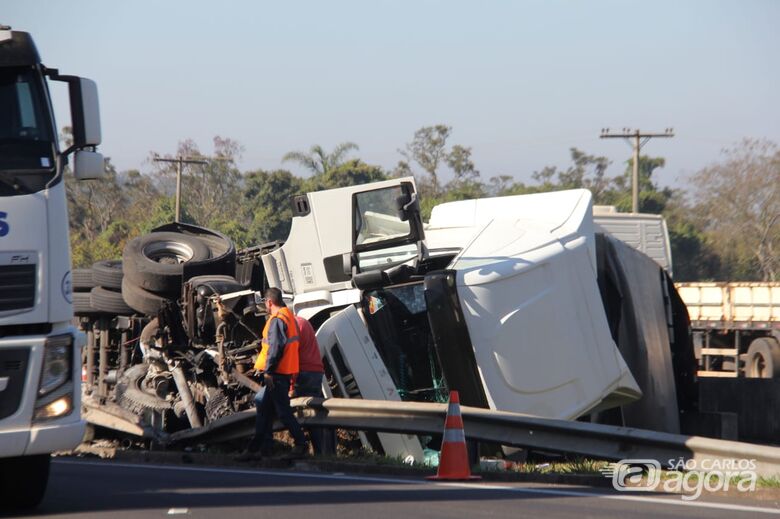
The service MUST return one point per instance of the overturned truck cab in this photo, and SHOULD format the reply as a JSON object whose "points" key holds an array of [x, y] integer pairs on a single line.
{"points": [[497, 298]]}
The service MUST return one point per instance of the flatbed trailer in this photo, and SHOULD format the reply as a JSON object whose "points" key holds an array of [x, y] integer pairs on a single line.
{"points": [[736, 327]]}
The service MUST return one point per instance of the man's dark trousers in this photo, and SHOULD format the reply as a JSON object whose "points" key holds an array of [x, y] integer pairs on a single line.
{"points": [[271, 403], [309, 383]]}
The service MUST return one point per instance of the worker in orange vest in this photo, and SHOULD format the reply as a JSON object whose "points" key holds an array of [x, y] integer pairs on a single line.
{"points": [[278, 363]]}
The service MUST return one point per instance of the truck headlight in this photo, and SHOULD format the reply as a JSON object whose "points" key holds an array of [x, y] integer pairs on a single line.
{"points": [[56, 369], [60, 407]]}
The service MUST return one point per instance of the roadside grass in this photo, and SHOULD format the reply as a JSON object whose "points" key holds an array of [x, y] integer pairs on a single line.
{"points": [[577, 466]]}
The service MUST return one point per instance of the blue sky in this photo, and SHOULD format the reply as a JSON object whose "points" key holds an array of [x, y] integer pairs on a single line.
{"points": [[520, 82]]}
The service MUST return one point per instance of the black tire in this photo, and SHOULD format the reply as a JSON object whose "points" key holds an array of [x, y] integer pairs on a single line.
{"points": [[82, 280], [131, 396], [763, 359], [82, 303], [109, 302], [23, 481], [218, 246], [154, 262], [141, 300], [108, 274]]}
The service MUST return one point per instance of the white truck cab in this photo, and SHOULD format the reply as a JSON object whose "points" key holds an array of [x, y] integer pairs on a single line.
{"points": [[40, 351], [496, 298]]}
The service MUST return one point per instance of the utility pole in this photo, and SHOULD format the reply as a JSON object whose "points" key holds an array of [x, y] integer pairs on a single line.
{"points": [[180, 161], [639, 139]]}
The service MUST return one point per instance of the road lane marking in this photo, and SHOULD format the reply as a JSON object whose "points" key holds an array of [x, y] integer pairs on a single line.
{"points": [[671, 501]]}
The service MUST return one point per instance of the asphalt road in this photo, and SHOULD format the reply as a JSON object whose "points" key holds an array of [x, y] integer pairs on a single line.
{"points": [[88, 489]]}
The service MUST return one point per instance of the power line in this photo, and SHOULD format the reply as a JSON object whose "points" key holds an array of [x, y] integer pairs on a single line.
{"points": [[639, 139]]}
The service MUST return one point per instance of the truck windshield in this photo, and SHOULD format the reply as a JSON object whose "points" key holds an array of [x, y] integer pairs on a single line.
{"points": [[397, 319], [27, 146]]}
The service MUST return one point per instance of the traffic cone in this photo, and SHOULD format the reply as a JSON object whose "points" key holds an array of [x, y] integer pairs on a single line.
{"points": [[454, 461]]}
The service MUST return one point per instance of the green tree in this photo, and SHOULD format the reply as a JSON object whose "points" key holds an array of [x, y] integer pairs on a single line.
{"points": [[738, 204], [318, 161], [268, 197], [210, 192], [652, 199], [428, 149], [499, 184], [459, 161], [94, 209], [351, 173], [585, 172]]}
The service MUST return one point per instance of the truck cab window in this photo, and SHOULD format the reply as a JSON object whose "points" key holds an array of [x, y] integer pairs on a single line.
{"points": [[376, 216], [380, 237], [27, 146]]}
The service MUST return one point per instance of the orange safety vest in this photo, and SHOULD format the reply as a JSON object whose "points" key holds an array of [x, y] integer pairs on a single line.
{"points": [[288, 364]]}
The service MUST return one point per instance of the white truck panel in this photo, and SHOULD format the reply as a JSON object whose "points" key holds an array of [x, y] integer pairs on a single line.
{"points": [[60, 298], [534, 312], [26, 243], [644, 232], [542, 217]]}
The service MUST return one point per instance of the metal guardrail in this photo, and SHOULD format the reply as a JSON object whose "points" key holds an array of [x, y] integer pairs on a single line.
{"points": [[583, 438], [512, 429]]}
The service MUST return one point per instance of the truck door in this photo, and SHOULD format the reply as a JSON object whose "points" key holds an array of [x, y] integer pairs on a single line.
{"points": [[354, 369]]}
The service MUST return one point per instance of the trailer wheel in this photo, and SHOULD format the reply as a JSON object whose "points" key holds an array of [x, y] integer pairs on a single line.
{"points": [[141, 300], [108, 273], [109, 302], [82, 280], [763, 359], [154, 262], [82, 303], [23, 481]]}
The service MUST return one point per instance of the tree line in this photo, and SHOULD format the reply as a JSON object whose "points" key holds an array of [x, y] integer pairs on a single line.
{"points": [[726, 226]]}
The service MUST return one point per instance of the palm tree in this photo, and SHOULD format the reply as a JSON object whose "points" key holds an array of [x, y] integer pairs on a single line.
{"points": [[318, 161]]}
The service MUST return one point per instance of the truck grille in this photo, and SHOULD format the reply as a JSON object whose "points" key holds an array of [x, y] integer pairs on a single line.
{"points": [[17, 287], [13, 370]]}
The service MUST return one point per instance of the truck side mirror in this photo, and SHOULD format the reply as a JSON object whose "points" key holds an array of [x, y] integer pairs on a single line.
{"points": [[407, 205], [88, 165], [85, 112]]}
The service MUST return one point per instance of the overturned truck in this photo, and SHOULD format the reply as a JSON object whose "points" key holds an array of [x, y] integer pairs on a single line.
{"points": [[515, 302]]}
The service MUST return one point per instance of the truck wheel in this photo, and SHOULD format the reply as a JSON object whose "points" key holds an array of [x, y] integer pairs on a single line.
{"points": [[108, 274], [763, 359], [131, 396], [82, 303], [141, 300], [23, 481], [82, 280], [155, 261], [109, 302]]}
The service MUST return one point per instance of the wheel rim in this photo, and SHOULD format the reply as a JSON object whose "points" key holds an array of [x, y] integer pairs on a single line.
{"points": [[169, 252], [758, 366]]}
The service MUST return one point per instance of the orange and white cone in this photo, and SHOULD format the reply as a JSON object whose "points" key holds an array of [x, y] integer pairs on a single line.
{"points": [[454, 460]]}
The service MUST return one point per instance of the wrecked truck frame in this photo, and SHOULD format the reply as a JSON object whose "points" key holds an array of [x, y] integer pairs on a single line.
{"points": [[503, 299]]}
